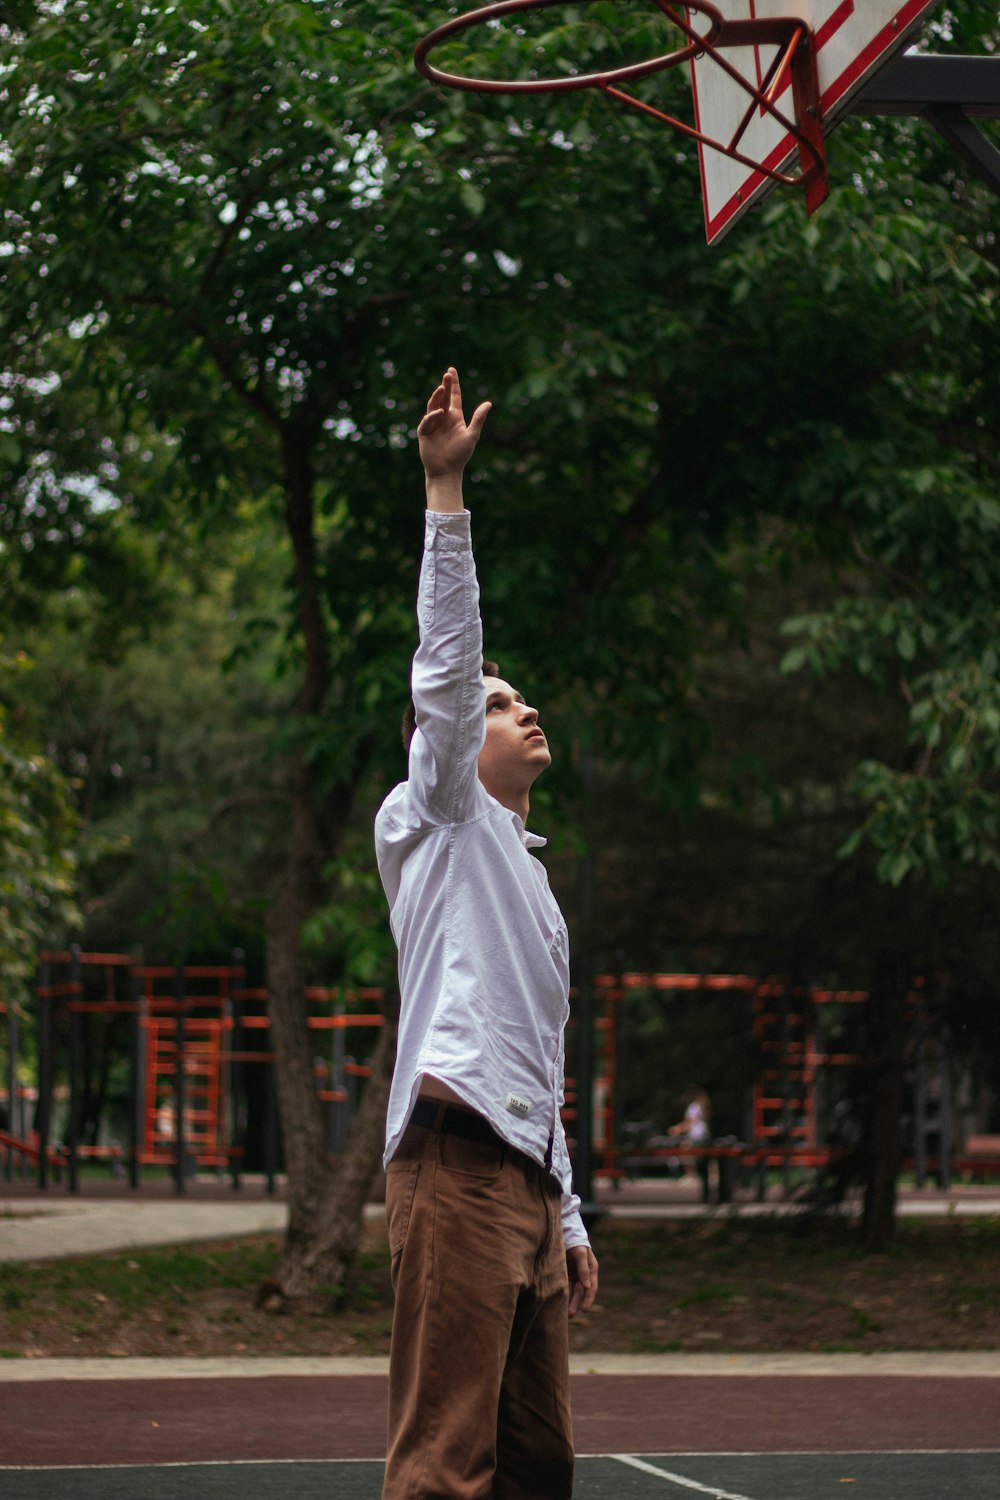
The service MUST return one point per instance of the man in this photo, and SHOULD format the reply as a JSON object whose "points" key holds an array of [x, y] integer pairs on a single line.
{"points": [[489, 1253]]}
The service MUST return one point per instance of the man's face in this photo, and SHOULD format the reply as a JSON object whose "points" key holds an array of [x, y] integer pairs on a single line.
{"points": [[515, 752]]}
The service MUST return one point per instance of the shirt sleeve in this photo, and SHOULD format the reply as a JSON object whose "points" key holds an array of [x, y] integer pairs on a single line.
{"points": [[574, 1232], [447, 677]]}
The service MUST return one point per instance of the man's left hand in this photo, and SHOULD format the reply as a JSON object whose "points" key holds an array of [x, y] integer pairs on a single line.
{"points": [[581, 1262]]}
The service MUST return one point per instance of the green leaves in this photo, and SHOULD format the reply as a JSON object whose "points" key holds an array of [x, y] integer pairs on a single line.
{"points": [[914, 609], [925, 826], [473, 198], [948, 810], [38, 854]]}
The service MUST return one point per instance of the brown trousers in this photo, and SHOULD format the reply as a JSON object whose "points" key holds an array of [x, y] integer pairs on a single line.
{"points": [[479, 1371]]}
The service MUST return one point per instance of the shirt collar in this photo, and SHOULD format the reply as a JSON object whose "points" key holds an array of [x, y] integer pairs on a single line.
{"points": [[528, 839]]}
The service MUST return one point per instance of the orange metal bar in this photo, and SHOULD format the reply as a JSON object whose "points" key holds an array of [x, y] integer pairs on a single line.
{"points": [[343, 1023], [104, 1007], [95, 960], [56, 991]]}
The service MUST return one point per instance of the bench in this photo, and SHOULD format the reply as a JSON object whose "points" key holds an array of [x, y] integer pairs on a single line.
{"points": [[730, 1156], [980, 1157]]}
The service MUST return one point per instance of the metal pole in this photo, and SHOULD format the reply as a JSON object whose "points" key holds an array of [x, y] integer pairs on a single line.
{"points": [[237, 1079], [944, 1159], [947, 92], [179, 1088], [786, 1088], [12, 1100], [75, 1024], [920, 1123], [43, 1108], [137, 1090], [271, 1127]]}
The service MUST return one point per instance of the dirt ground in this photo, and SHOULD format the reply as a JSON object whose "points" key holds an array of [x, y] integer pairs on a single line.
{"points": [[666, 1286]]}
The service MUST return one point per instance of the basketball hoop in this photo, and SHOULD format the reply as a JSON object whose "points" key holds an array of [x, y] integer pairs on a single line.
{"points": [[794, 62]]}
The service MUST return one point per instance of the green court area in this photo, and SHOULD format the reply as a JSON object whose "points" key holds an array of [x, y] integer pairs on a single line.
{"points": [[782, 1476]]}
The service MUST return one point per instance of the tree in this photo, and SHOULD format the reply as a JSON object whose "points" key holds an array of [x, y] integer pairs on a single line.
{"points": [[912, 550], [260, 236], [122, 126], [214, 241]]}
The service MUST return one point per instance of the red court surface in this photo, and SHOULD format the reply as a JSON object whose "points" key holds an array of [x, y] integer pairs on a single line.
{"points": [[304, 1417]]}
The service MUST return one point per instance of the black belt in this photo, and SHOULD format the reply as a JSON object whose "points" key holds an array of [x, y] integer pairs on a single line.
{"points": [[436, 1114], [454, 1120]]}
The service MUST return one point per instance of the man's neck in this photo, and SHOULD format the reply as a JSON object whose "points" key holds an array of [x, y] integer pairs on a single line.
{"points": [[516, 802], [517, 805]]}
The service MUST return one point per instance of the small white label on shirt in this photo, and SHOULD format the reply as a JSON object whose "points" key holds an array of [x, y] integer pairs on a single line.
{"points": [[518, 1106]]}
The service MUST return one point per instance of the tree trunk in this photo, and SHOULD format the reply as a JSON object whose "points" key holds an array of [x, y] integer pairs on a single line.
{"points": [[887, 1048], [298, 1107], [326, 1199], [322, 1260]]}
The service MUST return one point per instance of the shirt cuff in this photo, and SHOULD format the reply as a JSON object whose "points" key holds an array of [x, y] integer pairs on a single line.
{"points": [[574, 1233], [452, 528]]}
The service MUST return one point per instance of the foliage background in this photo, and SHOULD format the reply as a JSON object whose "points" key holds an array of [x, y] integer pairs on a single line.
{"points": [[736, 510]]}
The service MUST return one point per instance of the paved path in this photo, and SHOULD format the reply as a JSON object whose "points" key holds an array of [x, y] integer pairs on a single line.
{"points": [[47, 1231], [107, 1216], [936, 1365]]}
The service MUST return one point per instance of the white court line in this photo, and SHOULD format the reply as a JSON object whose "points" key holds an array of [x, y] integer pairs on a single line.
{"points": [[688, 1484], [794, 1453]]}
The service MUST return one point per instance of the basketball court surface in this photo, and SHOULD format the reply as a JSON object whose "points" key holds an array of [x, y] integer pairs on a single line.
{"points": [[673, 1426]]}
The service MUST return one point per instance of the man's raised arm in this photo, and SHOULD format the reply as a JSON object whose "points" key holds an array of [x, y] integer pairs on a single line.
{"points": [[447, 680]]}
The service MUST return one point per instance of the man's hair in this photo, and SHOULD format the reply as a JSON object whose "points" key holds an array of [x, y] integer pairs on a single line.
{"points": [[490, 669]]}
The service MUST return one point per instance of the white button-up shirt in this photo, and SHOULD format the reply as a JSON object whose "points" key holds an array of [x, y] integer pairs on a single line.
{"points": [[483, 949]]}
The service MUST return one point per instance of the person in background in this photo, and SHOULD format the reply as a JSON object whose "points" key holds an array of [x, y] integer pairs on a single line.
{"points": [[694, 1130]]}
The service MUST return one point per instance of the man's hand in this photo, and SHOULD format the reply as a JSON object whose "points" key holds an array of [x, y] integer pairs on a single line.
{"points": [[447, 443], [581, 1262]]}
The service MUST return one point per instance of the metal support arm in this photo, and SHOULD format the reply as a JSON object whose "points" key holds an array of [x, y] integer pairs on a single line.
{"points": [[946, 92]]}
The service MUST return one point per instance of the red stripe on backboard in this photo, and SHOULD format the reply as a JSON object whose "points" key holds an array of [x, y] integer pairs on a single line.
{"points": [[879, 48], [834, 23]]}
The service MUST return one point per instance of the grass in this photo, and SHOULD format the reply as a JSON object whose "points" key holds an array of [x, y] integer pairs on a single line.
{"points": [[139, 1282], [721, 1284]]}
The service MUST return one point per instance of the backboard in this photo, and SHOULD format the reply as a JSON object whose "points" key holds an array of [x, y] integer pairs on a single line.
{"points": [[853, 39]]}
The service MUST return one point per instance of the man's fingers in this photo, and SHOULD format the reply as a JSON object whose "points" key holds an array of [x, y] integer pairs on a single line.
{"points": [[577, 1291], [578, 1299], [590, 1295], [582, 1279], [430, 421], [438, 399], [479, 417]]}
